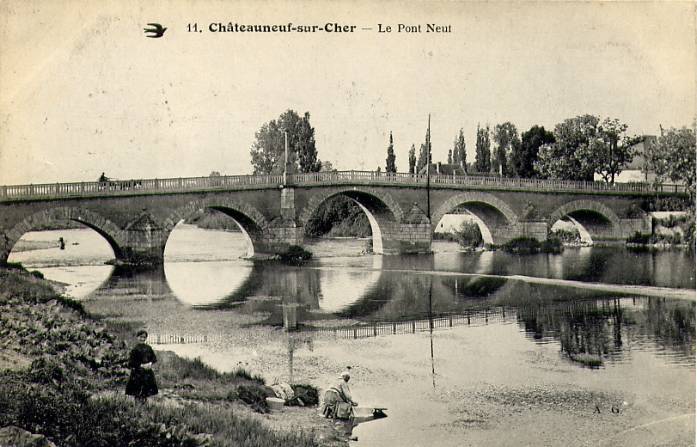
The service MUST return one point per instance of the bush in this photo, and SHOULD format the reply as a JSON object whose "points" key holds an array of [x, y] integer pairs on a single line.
{"points": [[671, 221], [295, 255], [338, 216], [567, 236], [68, 416], [650, 239], [469, 235], [552, 245], [254, 396], [241, 373], [309, 394], [13, 266], [522, 246], [639, 238], [666, 204], [590, 360]]}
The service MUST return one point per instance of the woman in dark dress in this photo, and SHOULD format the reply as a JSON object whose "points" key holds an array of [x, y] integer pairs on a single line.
{"points": [[142, 383]]}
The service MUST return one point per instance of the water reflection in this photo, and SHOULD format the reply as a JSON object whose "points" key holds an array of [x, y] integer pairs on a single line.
{"points": [[606, 329], [148, 284], [592, 327], [215, 282], [358, 296], [612, 265]]}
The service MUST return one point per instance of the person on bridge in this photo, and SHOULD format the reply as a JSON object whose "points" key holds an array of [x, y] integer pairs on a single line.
{"points": [[141, 384], [103, 178]]}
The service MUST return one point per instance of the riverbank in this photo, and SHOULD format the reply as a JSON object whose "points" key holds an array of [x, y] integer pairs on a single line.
{"points": [[63, 374], [25, 245]]}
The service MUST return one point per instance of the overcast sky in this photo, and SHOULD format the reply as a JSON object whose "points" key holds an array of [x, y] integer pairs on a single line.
{"points": [[82, 90]]}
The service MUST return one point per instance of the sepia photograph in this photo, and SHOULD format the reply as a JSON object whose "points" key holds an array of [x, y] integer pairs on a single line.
{"points": [[260, 223]]}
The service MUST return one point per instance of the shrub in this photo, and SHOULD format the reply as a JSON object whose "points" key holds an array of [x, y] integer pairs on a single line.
{"points": [[671, 221], [552, 245], [639, 238], [469, 235], [72, 304], [689, 231], [295, 255], [522, 246], [309, 394], [13, 266], [585, 359], [242, 373], [567, 236], [254, 396]]}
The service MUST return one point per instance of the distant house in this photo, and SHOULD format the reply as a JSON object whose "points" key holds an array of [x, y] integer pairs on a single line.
{"points": [[637, 170], [444, 169]]}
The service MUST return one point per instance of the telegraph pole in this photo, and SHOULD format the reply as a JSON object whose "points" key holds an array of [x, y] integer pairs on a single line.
{"points": [[428, 169]]}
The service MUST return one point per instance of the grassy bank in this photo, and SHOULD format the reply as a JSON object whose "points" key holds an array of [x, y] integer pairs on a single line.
{"points": [[63, 374]]}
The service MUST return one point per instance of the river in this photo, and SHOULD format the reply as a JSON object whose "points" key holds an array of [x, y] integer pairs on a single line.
{"points": [[457, 349]]}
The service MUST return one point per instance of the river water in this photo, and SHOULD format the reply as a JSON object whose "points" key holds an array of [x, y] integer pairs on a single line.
{"points": [[458, 351]]}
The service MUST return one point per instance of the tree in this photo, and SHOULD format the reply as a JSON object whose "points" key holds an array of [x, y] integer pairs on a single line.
{"points": [[482, 160], [610, 151], [390, 161], [304, 145], [423, 158], [268, 151], [425, 155], [559, 159], [672, 158], [412, 159], [506, 138], [327, 166], [523, 156], [459, 151]]}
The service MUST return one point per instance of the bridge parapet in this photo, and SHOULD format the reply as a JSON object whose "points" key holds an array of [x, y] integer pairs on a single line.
{"points": [[242, 182]]}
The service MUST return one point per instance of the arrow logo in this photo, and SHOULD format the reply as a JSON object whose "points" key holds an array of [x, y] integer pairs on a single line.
{"points": [[156, 29]]}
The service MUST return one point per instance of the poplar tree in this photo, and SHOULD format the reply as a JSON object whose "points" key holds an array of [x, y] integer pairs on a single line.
{"points": [[506, 138], [412, 159], [482, 161], [459, 151], [390, 165]]}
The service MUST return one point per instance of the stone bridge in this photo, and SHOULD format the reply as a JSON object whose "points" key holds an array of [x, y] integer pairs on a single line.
{"points": [[136, 217]]}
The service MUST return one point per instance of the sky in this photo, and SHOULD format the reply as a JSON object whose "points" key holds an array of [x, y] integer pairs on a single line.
{"points": [[83, 91]]}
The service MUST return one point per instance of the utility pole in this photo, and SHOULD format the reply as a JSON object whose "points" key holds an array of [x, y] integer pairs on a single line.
{"points": [[428, 169], [286, 169]]}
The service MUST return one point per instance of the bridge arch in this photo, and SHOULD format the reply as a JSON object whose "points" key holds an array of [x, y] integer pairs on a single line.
{"points": [[383, 212], [595, 219], [104, 227], [250, 220], [493, 215]]}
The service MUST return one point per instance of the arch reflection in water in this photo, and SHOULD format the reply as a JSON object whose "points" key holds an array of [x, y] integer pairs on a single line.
{"points": [[342, 287], [292, 295], [207, 283], [203, 267]]}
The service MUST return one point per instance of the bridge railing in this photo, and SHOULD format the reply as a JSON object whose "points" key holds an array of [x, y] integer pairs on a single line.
{"points": [[118, 187], [126, 187], [494, 182]]}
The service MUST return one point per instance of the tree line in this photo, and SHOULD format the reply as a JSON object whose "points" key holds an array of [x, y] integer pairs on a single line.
{"points": [[577, 148]]}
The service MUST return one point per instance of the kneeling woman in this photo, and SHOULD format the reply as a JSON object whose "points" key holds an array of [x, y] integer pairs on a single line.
{"points": [[141, 384]]}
